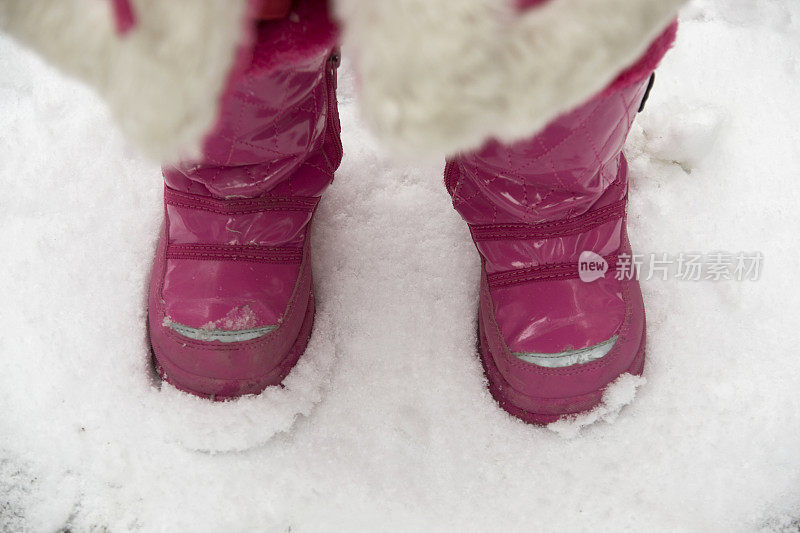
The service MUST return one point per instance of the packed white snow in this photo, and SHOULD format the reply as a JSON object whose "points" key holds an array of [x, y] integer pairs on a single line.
{"points": [[386, 424]]}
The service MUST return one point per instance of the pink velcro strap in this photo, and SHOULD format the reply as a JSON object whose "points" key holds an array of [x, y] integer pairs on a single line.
{"points": [[240, 206], [549, 230], [229, 252], [550, 272]]}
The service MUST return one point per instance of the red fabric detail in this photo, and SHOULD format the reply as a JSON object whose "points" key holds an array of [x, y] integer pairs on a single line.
{"points": [[124, 17], [274, 9], [290, 40], [527, 4], [647, 63]]}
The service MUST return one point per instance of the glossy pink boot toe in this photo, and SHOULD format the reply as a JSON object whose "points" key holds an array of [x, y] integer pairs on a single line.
{"points": [[230, 319], [231, 302]]}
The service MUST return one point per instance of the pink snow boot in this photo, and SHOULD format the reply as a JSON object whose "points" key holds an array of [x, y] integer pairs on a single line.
{"points": [[231, 296], [549, 341]]}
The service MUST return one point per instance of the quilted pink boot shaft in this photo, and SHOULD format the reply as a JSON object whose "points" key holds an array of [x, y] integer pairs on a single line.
{"points": [[543, 202], [550, 342], [231, 301]]}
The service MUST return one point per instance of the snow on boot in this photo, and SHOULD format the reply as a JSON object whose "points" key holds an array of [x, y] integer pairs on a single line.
{"points": [[551, 341], [231, 301]]}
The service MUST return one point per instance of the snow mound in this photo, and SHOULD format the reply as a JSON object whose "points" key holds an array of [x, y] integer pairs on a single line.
{"points": [[250, 421], [617, 395]]}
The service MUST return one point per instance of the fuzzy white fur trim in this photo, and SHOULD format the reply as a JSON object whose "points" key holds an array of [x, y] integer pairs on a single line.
{"points": [[162, 80], [440, 76]]}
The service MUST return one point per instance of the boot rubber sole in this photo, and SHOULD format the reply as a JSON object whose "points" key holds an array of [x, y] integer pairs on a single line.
{"points": [[178, 377], [570, 405]]}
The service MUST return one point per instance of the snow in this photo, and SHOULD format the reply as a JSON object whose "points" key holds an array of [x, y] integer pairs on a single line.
{"points": [[386, 423]]}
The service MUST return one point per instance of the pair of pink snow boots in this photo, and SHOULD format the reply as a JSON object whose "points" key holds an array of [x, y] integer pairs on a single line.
{"points": [[231, 303]]}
